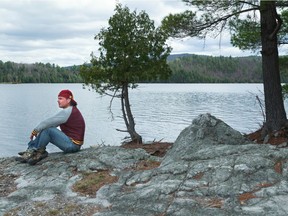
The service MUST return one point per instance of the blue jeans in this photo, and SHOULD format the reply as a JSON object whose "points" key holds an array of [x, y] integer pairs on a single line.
{"points": [[56, 137]]}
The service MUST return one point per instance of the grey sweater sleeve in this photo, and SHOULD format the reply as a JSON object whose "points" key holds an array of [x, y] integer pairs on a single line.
{"points": [[54, 121]]}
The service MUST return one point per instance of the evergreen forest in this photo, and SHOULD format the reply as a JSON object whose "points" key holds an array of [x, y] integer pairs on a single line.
{"points": [[208, 69], [186, 68], [11, 72]]}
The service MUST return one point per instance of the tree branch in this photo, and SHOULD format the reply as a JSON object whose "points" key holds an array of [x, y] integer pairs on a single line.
{"points": [[111, 101], [126, 131], [281, 3], [219, 20], [248, 3], [278, 26]]}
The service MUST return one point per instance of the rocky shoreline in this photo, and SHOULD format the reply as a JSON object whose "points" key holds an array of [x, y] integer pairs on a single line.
{"points": [[211, 169]]}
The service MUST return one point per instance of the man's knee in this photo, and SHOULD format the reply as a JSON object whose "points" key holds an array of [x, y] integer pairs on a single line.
{"points": [[49, 131], [70, 149]]}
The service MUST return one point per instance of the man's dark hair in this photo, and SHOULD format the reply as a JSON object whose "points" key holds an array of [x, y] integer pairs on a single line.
{"points": [[73, 103]]}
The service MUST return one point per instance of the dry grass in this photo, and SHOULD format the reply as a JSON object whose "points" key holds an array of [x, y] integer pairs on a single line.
{"points": [[278, 167], [250, 195], [213, 202], [245, 197]]}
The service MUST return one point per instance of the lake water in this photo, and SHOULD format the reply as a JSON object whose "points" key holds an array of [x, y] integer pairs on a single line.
{"points": [[161, 111]]}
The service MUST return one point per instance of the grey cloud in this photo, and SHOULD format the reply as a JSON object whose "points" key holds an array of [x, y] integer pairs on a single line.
{"points": [[62, 31]]}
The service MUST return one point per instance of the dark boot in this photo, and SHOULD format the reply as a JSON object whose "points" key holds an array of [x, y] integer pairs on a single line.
{"points": [[25, 155], [37, 156]]}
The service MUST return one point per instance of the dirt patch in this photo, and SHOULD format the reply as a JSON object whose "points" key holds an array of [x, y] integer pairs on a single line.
{"points": [[279, 137], [147, 165], [198, 176], [158, 149]]}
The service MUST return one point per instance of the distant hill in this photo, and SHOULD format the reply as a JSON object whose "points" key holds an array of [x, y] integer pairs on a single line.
{"points": [[11, 72], [190, 68], [186, 68], [172, 57]]}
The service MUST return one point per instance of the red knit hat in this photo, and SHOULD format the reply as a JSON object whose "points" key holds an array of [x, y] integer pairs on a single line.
{"points": [[67, 94]]}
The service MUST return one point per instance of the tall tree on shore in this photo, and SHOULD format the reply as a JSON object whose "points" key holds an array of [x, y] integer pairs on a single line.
{"points": [[131, 49], [213, 16]]}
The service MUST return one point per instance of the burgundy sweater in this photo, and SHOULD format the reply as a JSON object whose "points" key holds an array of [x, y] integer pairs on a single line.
{"points": [[74, 127], [70, 121]]}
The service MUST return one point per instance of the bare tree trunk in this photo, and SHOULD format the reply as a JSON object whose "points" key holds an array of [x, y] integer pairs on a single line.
{"points": [[128, 117], [274, 106]]}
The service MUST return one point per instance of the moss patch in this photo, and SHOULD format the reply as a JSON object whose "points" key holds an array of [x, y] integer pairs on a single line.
{"points": [[92, 182]]}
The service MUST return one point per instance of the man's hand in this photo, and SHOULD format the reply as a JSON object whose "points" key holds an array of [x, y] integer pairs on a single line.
{"points": [[33, 134]]}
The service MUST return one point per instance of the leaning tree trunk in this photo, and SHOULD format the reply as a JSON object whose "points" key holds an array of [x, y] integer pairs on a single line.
{"points": [[128, 117], [274, 106]]}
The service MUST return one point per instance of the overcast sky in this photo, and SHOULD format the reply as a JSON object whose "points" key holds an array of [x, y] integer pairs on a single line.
{"points": [[62, 31]]}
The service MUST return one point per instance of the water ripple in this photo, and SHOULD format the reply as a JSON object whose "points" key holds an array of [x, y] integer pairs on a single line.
{"points": [[161, 111]]}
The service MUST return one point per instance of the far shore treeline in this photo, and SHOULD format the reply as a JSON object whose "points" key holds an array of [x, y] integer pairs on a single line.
{"points": [[186, 68]]}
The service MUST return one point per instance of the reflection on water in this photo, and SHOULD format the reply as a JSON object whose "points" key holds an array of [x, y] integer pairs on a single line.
{"points": [[161, 111]]}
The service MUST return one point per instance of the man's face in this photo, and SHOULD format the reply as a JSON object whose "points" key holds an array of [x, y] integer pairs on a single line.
{"points": [[63, 102]]}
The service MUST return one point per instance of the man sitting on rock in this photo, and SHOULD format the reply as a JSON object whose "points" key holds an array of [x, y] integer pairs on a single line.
{"points": [[69, 139]]}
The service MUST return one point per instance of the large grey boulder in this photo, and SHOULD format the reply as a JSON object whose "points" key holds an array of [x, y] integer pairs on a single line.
{"points": [[204, 132], [210, 170]]}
